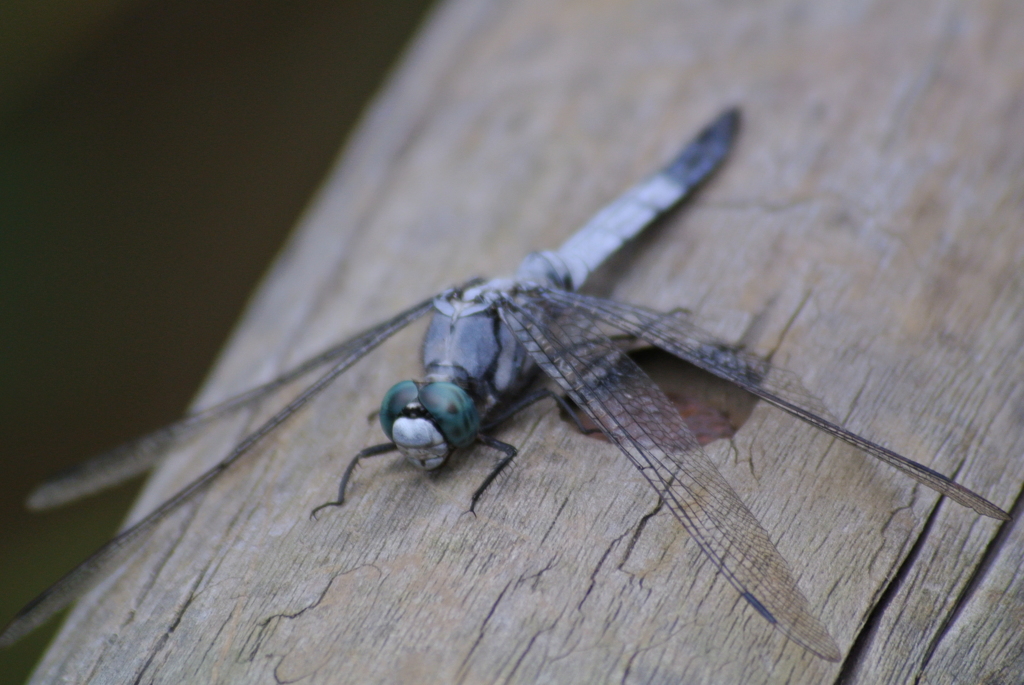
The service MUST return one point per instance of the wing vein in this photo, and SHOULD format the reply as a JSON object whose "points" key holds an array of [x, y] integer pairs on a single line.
{"points": [[636, 416], [79, 579]]}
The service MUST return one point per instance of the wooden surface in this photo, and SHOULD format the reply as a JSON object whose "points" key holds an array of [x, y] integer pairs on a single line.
{"points": [[868, 231]]}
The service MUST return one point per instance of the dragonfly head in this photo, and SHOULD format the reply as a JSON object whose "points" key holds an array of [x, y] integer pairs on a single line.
{"points": [[428, 421]]}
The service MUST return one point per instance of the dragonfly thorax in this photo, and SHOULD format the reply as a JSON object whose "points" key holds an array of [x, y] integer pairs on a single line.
{"points": [[428, 421], [467, 344]]}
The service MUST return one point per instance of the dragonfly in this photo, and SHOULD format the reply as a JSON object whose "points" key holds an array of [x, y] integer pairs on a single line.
{"points": [[485, 346]]}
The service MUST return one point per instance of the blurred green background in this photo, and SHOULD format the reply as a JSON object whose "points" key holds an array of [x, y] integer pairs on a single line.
{"points": [[153, 156]]}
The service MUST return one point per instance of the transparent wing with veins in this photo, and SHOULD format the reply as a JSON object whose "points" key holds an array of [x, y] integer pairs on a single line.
{"points": [[637, 417], [139, 455], [71, 586], [677, 335]]}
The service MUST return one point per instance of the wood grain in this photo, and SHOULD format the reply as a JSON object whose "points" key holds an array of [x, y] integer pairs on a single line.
{"points": [[867, 233]]}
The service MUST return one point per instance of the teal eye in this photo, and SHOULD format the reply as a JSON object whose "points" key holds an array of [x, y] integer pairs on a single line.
{"points": [[394, 402], [453, 411]]}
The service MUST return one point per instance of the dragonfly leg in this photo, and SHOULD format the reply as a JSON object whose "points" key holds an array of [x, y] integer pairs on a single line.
{"points": [[509, 450], [536, 396], [510, 454], [373, 451]]}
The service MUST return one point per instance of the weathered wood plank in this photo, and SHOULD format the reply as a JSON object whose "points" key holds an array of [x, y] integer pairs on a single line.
{"points": [[867, 232]]}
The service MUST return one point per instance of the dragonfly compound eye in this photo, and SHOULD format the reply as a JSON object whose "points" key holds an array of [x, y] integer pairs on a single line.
{"points": [[452, 410], [394, 402]]}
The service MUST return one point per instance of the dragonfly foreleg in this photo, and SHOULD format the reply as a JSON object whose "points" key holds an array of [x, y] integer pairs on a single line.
{"points": [[373, 451], [509, 450], [510, 454]]}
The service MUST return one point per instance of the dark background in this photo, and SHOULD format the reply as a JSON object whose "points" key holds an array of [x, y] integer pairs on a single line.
{"points": [[153, 156]]}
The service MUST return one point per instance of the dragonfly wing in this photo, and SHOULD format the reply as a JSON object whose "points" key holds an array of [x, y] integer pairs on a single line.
{"points": [[640, 420], [72, 585], [139, 455], [679, 336], [110, 468]]}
